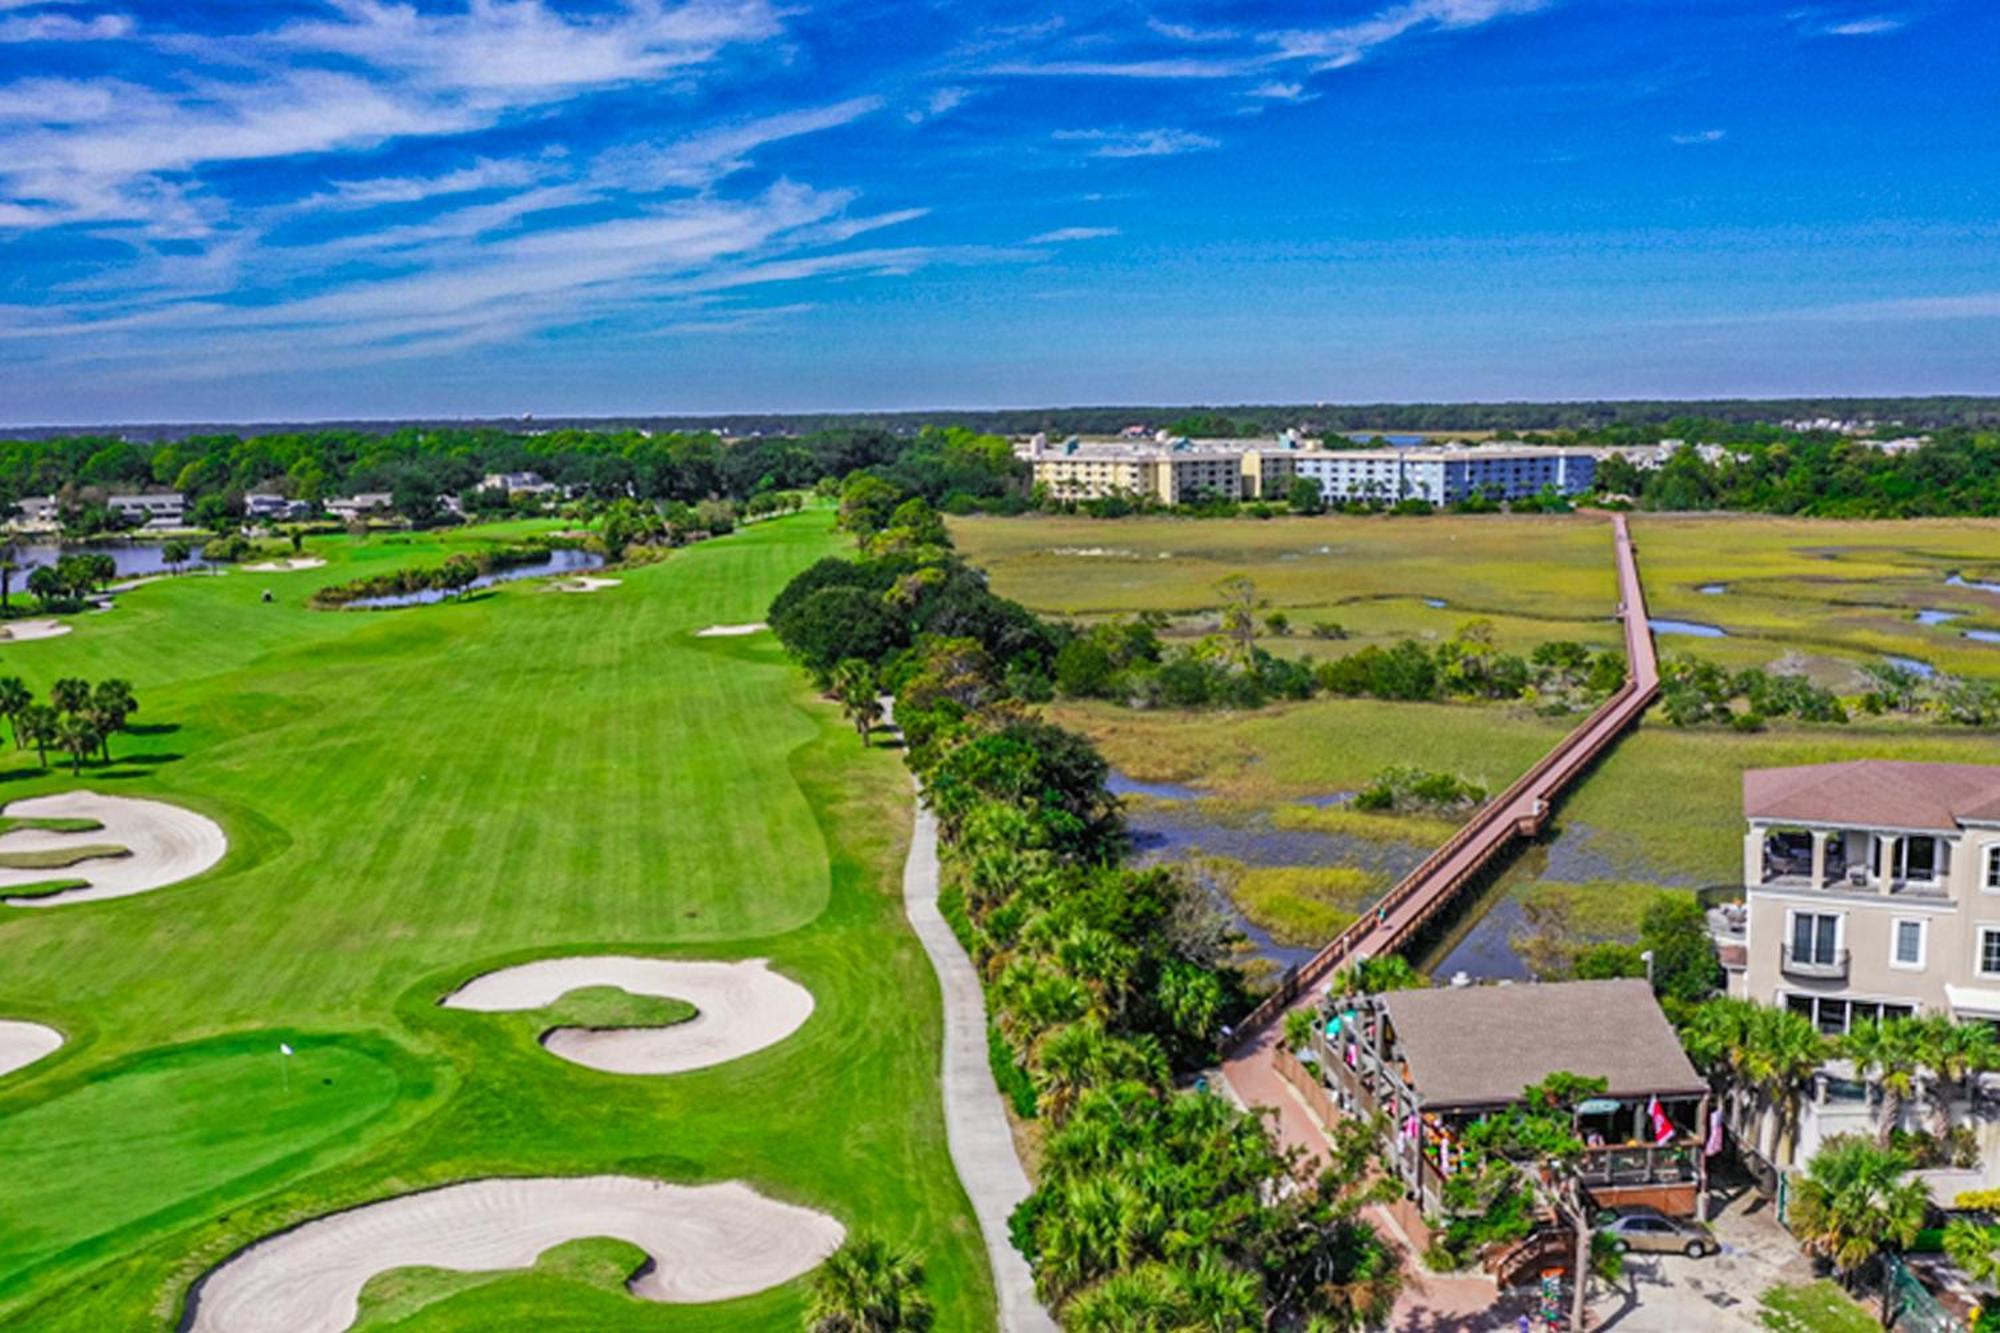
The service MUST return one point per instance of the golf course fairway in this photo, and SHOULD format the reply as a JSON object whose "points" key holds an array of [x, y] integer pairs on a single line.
{"points": [[415, 798]]}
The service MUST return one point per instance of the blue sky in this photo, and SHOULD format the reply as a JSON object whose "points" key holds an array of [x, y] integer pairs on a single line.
{"points": [[271, 209]]}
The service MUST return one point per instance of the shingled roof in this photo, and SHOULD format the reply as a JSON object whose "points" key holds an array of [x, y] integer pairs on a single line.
{"points": [[1885, 793], [1472, 1046]]}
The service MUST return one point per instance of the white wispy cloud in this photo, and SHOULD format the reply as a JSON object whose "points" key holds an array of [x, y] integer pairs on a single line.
{"points": [[1283, 92], [1139, 143], [1188, 32], [481, 174], [940, 102], [1688, 138], [523, 49], [1071, 234], [708, 157], [1868, 27], [65, 28], [1345, 44]]}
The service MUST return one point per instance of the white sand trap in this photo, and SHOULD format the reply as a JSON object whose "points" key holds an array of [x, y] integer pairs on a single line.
{"points": [[586, 583], [21, 1044], [20, 631], [285, 566], [742, 1007], [730, 631], [707, 1242], [167, 844]]}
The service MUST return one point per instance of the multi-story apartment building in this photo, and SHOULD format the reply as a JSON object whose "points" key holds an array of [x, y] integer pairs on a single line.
{"points": [[1167, 471], [165, 509], [1446, 475], [1872, 890]]}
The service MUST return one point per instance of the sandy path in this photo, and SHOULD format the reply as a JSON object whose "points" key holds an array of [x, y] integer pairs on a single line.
{"points": [[743, 1007], [167, 844], [730, 631], [586, 583], [285, 566], [20, 631], [21, 1044], [708, 1243]]}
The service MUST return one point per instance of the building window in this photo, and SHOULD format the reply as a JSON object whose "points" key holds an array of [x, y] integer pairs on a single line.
{"points": [[1993, 868], [1906, 944], [1835, 1016], [1920, 858], [1816, 937], [1989, 951]]}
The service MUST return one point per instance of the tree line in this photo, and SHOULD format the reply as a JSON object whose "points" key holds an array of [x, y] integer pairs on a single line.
{"points": [[1107, 986]]}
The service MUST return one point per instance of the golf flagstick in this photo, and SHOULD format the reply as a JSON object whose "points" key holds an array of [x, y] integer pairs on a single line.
{"points": [[285, 1063]]}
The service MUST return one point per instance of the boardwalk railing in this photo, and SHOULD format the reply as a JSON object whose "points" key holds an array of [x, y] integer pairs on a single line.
{"points": [[1436, 879]]}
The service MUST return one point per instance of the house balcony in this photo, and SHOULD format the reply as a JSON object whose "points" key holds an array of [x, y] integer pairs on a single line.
{"points": [[1854, 862], [1819, 967]]}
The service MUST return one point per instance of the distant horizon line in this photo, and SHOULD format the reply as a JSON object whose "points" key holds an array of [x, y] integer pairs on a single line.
{"points": [[1877, 401]]}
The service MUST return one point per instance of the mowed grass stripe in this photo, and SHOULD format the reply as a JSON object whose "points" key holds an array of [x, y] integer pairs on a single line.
{"points": [[418, 795]]}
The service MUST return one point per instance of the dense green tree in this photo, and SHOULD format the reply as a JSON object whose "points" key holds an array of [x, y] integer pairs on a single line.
{"points": [[1855, 1201]]}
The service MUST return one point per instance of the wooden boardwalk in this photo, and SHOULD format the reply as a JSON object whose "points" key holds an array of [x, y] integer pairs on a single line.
{"points": [[1518, 812]]}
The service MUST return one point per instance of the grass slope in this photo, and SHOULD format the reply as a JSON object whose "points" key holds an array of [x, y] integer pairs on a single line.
{"points": [[418, 796]]}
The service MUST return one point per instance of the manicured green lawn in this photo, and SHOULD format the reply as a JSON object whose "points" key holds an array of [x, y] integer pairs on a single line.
{"points": [[414, 797], [1814, 1307]]}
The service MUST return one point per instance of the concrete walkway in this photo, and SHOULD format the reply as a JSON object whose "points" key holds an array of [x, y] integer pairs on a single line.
{"points": [[982, 1146]]}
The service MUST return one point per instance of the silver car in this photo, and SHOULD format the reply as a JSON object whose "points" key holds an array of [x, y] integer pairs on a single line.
{"points": [[1645, 1230]]}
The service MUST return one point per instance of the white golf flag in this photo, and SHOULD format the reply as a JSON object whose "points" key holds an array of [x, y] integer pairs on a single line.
{"points": [[285, 1048]]}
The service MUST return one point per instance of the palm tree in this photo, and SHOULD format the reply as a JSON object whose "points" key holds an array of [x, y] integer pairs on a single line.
{"points": [[45, 584], [111, 704], [1952, 1052], [854, 685], [14, 700], [1854, 1201], [9, 566], [70, 694], [866, 1287], [76, 734], [37, 725], [1781, 1052], [1888, 1053]]}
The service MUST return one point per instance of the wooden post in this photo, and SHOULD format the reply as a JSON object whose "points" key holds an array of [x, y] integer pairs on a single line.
{"points": [[1701, 1160]]}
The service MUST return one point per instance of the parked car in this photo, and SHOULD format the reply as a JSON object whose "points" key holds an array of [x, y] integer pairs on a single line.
{"points": [[1650, 1231]]}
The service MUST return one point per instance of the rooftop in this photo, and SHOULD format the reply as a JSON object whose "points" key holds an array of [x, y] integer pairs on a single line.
{"points": [[1470, 1046], [1886, 793]]}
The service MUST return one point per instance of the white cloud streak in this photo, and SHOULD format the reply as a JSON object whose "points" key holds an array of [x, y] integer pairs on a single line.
{"points": [[1071, 234], [1138, 143]]}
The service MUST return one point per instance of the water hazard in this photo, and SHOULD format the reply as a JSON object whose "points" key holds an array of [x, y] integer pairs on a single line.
{"points": [[562, 560]]}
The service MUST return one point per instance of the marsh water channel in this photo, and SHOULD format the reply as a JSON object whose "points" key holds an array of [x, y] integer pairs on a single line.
{"points": [[1173, 824]]}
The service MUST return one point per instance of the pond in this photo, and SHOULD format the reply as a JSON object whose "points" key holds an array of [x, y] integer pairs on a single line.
{"points": [[1712, 589], [1983, 635], [1692, 628], [562, 560], [1957, 580], [1915, 666], [1932, 616], [1436, 603], [133, 559]]}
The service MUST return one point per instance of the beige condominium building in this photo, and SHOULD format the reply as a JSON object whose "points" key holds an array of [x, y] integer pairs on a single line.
{"points": [[1167, 471], [1872, 889]]}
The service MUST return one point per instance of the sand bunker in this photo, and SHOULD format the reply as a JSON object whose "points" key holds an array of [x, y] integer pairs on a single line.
{"points": [[742, 1007], [166, 844], [730, 631], [285, 566], [20, 631], [708, 1243], [21, 1044], [585, 583]]}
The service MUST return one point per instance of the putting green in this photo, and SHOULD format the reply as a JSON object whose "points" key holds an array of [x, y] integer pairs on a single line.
{"points": [[169, 1132], [410, 793]]}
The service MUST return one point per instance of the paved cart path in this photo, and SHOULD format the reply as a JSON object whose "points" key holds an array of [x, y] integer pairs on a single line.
{"points": [[982, 1145]]}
